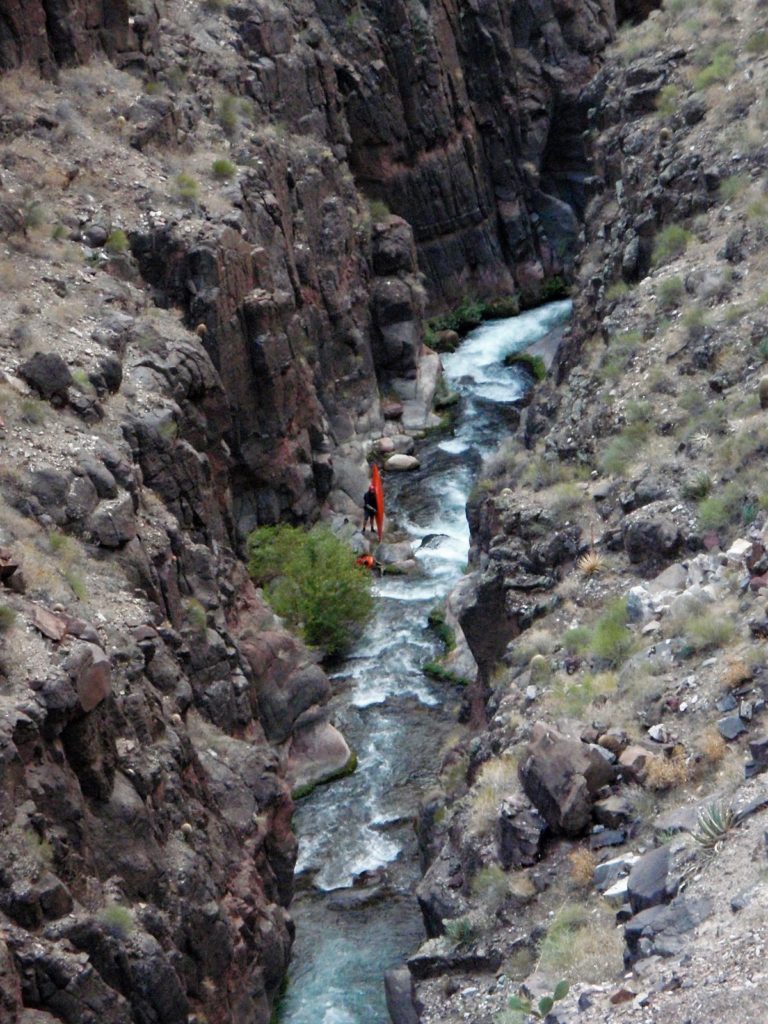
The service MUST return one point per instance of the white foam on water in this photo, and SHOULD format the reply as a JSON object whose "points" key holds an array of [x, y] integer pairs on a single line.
{"points": [[454, 446]]}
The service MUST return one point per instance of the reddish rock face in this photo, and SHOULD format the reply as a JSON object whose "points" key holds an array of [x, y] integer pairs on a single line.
{"points": [[44, 35]]}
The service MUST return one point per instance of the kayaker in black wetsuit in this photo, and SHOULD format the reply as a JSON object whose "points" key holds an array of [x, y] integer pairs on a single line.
{"points": [[370, 508]]}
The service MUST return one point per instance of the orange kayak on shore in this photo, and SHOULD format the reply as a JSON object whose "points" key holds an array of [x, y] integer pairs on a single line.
{"points": [[379, 491]]}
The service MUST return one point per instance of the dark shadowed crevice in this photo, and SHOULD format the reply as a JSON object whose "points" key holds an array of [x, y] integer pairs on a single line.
{"points": [[635, 11]]}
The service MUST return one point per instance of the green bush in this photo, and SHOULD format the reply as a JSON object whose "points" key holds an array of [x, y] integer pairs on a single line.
{"points": [[378, 209], [758, 43], [667, 100], [226, 114], [623, 449], [670, 292], [312, 581], [732, 186], [611, 641], [719, 69], [577, 640], [616, 291], [117, 919], [720, 510], [223, 169], [7, 617], [117, 243], [460, 930], [670, 242], [186, 186], [468, 314]]}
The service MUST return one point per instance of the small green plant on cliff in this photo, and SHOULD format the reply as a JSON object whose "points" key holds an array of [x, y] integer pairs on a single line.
{"points": [[720, 69], [617, 290], [226, 114], [612, 641], [732, 187], [714, 823], [468, 314], [187, 188], [671, 241], [670, 292], [117, 243], [581, 942], [312, 581], [722, 509], [378, 209], [223, 169], [117, 920], [757, 43], [438, 625], [667, 100], [7, 617], [544, 1005], [460, 930]]}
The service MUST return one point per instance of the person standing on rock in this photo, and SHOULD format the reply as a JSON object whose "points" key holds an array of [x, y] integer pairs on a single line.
{"points": [[370, 507]]}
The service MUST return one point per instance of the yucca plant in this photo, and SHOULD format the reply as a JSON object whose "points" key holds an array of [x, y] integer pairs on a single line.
{"points": [[714, 822], [591, 563]]}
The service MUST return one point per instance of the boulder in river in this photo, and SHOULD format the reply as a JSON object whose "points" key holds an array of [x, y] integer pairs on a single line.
{"points": [[401, 463]]}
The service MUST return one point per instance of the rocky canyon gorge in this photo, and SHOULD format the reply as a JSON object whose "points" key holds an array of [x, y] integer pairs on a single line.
{"points": [[230, 234]]}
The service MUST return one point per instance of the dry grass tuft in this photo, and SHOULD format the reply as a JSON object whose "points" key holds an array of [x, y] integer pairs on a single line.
{"points": [[583, 863], [712, 747], [497, 779], [667, 772], [737, 671], [582, 943]]}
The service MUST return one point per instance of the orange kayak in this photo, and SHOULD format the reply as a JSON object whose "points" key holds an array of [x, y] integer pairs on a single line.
{"points": [[379, 491]]}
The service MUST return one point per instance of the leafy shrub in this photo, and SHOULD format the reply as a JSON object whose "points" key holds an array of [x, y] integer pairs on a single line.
{"points": [[720, 510], [611, 641], [468, 314], [437, 623], [758, 42], [573, 695], [719, 69], [670, 292], [117, 242], [697, 488], [7, 617], [670, 242], [226, 114], [223, 169], [577, 640], [617, 359], [33, 411], [616, 291], [541, 1009], [186, 187], [623, 449], [460, 930], [535, 365], [667, 100], [733, 186], [706, 630], [379, 209], [313, 582], [491, 884], [58, 232], [117, 919], [581, 942]]}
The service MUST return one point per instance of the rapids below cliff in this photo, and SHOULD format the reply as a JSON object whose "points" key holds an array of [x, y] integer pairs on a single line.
{"points": [[358, 861]]}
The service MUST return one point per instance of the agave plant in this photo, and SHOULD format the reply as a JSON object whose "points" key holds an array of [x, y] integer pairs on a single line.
{"points": [[714, 822], [591, 563]]}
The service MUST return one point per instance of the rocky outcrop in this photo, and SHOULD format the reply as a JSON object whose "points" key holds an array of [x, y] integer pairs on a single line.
{"points": [[47, 35]]}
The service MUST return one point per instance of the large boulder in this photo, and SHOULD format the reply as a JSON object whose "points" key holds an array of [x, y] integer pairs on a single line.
{"points": [[48, 374], [561, 776]]}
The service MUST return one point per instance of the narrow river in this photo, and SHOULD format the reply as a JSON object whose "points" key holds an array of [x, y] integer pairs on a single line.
{"points": [[358, 863]]}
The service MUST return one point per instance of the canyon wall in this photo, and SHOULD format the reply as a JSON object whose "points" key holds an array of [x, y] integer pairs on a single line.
{"points": [[188, 352]]}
